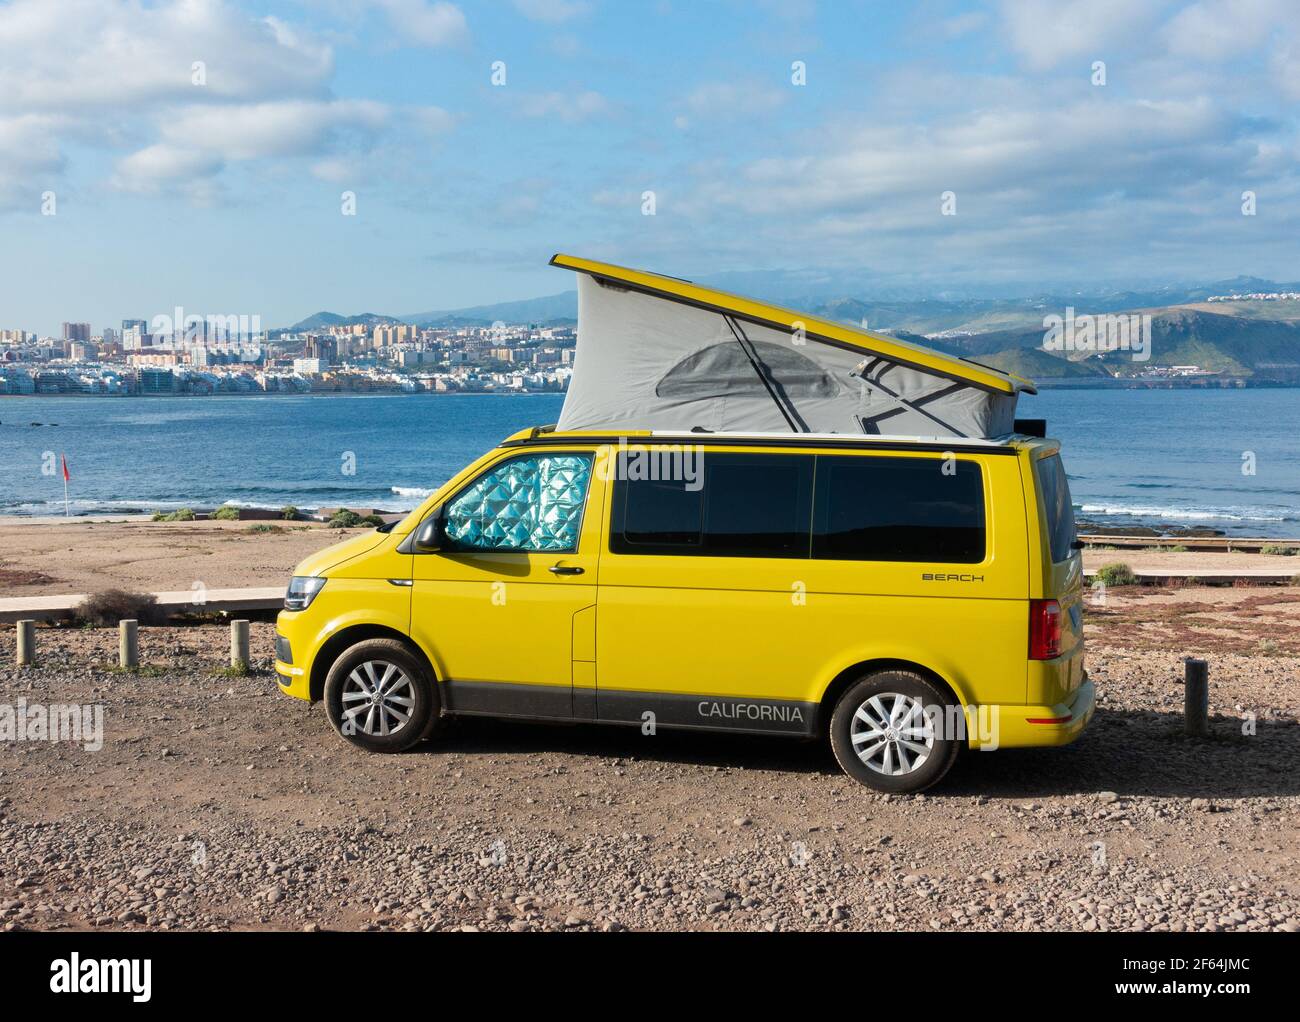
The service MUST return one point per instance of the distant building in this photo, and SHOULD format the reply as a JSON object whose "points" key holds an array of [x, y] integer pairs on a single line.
{"points": [[156, 357], [155, 380], [326, 349], [76, 331], [136, 336]]}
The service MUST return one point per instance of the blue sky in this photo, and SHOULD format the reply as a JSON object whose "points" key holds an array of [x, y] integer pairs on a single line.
{"points": [[225, 196]]}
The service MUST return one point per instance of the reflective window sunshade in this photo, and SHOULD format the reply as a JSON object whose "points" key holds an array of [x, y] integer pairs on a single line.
{"points": [[532, 503]]}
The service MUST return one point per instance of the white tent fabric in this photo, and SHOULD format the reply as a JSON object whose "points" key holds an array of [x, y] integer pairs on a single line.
{"points": [[647, 361]]}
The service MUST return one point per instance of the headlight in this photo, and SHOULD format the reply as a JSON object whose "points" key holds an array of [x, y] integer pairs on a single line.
{"points": [[302, 590]]}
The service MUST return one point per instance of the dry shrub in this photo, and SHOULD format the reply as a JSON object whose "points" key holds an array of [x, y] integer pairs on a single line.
{"points": [[115, 605]]}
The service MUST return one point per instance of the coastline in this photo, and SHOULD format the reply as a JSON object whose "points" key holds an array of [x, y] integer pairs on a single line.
{"points": [[1058, 383], [373, 392]]}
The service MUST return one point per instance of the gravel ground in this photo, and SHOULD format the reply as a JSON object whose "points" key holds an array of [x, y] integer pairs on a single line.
{"points": [[217, 803]]}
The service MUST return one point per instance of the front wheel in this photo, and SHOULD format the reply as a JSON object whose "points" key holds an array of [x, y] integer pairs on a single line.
{"points": [[380, 697], [890, 731]]}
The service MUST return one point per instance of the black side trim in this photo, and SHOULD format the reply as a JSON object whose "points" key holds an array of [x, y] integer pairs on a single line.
{"points": [[501, 699], [695, 712], [859, 444], [708, 713]]}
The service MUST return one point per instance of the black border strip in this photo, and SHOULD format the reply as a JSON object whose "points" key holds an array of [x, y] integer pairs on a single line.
{"points": [[864, 443]]}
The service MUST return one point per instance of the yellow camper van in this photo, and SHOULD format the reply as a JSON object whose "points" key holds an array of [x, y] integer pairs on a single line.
{"points": [[903, 596]]}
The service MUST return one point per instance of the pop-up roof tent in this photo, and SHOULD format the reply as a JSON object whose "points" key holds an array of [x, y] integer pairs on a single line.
{"points": [[660, 353]]}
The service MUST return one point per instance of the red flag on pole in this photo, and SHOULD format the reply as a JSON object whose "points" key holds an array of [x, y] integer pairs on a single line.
{"points": [[67, 509], [66, 476]]}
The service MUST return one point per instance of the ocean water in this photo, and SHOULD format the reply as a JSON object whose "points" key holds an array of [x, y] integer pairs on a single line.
{"points": [[1220, 459], [382, 451], [1135, 457]]}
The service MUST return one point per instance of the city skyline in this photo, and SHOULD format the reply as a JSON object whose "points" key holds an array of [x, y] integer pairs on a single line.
{"points": [[281, 157]]}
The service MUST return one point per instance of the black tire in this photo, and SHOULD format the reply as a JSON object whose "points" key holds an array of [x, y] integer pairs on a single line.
{"points": [[914, 688], [361, 721]]}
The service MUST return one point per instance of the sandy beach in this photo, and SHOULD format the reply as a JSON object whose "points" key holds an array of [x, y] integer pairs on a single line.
{"points": [[51, 556], [48, 557]]}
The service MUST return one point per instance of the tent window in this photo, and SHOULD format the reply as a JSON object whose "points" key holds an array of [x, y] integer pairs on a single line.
{"points": [[724, 368]]}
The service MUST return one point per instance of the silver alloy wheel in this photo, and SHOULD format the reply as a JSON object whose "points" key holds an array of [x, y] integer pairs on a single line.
{"points": [[378, 698], [891, 734]]}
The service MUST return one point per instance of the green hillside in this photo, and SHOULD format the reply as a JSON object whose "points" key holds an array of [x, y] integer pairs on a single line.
{"points": [[1036, 364]]}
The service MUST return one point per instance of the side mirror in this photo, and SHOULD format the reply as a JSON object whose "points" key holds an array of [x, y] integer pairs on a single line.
{"points": [[429, 536]]}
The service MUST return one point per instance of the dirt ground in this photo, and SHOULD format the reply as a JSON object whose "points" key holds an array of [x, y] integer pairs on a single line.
{"points": [[48, 557], [217, 803]]}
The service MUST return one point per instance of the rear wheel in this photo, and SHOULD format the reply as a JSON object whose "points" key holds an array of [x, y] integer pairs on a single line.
{"points": [[888, 731], [380, 697]]}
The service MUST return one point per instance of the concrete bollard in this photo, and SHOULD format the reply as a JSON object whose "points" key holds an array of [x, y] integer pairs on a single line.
{"points": [[128, 644], [26, 643], [1196, 697], [239, 644]]}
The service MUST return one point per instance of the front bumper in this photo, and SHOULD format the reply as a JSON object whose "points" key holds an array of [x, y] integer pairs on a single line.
{"points": [[293, 681]]}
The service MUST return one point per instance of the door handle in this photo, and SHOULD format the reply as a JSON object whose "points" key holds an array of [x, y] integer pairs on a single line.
{"points": [[564, 569]]}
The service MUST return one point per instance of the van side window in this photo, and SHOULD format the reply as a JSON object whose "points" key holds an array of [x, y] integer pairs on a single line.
{"points": [[1057, 505], [733, 505], [899, 509], [528, 504]]}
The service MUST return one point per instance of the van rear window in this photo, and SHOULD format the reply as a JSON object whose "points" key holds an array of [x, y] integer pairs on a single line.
{"points": [[768, 505], [1057, 506], [899, 509]]}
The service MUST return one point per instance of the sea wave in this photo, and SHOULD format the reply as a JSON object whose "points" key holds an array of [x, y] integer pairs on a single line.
{"points": [[411, 491], [1183, 513]]}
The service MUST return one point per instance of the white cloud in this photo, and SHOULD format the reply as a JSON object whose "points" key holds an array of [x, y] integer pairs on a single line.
{"points": [[161, 165], [30, 157], [551, 10], [733, 99], [963, 24], [1063, 188], [1048, 32], [431, 121], [28, 142], [79, 56], [580, 106], [121, 75], [284, 128], [1087, 150], [428, 24], [1220, 29]]}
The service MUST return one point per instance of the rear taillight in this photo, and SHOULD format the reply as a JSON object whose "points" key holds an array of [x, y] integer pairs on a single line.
{"points": [[1044, 629]]}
